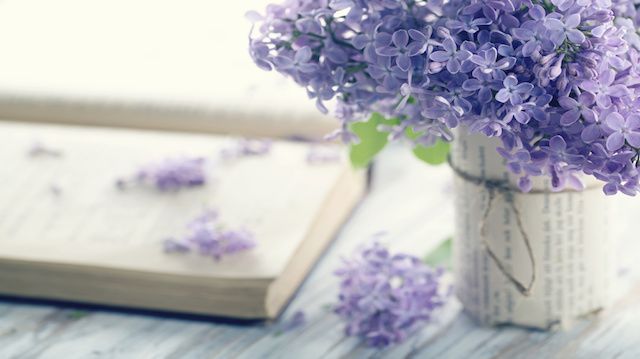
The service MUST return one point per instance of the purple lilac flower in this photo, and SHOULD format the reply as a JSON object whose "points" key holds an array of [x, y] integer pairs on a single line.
{"points": [[488, 63], [172, 174], [450, 55], [384, 297], [603, 89], [559, 152], [533, 34], [514, 92], [616, 184], [529, 73], [207, 236], [623, 130], [562, 178], [521, 112], [520, 162], [483, 85], [593, 132], [402, 45], [489, 126], [299, 62], [564, 29], [387, 74], [577, 108]]}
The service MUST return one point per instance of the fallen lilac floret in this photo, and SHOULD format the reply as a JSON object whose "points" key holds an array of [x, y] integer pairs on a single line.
{"points": [[207, 236], [385, 297], [247, 148], [171, 174]]}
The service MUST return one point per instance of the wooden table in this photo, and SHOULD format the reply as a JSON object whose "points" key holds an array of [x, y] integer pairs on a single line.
{"points": [[410, 201]]}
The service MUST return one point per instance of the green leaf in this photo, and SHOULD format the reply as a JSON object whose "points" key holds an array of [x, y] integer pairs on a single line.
{"points": [[434, 155], [441, 256], [372, 141]]}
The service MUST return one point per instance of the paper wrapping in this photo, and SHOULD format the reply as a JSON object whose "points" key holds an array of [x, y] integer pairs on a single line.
{"points": [[568, 237]]}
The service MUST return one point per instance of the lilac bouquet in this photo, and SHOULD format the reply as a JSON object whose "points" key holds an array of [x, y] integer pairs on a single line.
{"points": [[557, 81]]}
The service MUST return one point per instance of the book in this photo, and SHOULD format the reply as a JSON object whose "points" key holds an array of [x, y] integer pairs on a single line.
{"points": [[170, 65], [68, 233]]}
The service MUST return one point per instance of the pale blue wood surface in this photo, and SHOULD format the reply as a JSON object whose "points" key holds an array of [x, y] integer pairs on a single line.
{"points": [[411, 202]]}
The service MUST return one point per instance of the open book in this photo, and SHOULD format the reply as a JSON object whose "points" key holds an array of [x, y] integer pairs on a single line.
{"points": [[67, 232], [172, 65]]}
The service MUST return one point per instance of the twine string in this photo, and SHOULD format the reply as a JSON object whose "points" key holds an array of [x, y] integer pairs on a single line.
{"points": [[502, 188]]}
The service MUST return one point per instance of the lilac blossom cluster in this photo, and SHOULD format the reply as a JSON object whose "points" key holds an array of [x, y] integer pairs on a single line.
{"points": [[555, 80], [384, 297], [171, 174], [207, 236]]}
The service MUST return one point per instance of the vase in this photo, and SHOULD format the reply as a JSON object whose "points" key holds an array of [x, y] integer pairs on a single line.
{"points": [[539, 259]]}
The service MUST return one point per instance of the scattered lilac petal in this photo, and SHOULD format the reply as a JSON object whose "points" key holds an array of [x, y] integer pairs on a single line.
{"points": [[169, 175]]}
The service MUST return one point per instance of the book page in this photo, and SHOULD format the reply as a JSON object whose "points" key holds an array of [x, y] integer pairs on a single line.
{"points": [[178, 64], [67, 209]]}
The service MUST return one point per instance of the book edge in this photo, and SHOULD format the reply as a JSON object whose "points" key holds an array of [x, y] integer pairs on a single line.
{"points": [[349, 189], [160, 117], [134, 289]]}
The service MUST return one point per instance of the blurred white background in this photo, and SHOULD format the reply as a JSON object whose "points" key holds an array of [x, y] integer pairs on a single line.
{"points": [[190, 53]]}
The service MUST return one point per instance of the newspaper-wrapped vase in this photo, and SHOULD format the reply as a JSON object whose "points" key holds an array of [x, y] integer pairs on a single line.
{"points": [[538, 259]]}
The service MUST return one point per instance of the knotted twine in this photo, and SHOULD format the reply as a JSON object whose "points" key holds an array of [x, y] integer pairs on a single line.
{"points": [[503, 188]]}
